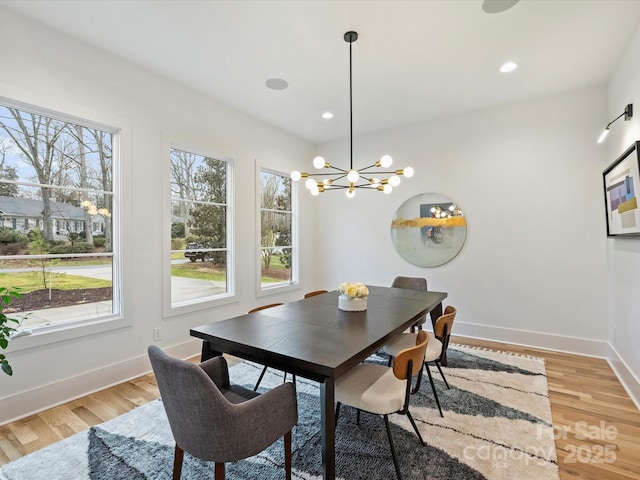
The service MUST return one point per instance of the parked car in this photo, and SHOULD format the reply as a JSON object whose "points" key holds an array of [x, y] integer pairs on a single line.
{"points": [[194, 252]]}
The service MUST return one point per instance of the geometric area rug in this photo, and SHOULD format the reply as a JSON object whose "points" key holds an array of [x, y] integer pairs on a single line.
{"points": [[496, 425]]}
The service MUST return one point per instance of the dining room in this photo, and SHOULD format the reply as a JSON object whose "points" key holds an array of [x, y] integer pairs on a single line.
{"points": [[534, 274]]}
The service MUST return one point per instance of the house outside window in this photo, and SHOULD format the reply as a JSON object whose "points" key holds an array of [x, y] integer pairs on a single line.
{"points": [[200, 260], [57, 171], [278, 252]]}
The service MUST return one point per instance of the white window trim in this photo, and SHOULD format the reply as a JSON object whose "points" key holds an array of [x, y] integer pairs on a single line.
{"points": [[180, 142], [45, 335], [295, 277]]}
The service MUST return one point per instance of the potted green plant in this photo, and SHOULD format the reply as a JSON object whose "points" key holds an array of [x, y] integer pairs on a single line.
{"points": [[8, 326]]}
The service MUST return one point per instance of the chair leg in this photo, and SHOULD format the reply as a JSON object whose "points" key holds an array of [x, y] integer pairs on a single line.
{"points": [[287, 455], [442, 374], [415, 427], [219, 472], [178, 457], [264, 370], [433, 387], [444, 358], [418, 381], [393, 448]]}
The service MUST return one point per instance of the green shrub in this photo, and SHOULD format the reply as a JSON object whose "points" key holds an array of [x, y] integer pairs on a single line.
{"points": [[34, 234], [99, 241], [9, 235], [177, 229], [82, 247], [58, 249], [177, 244]]}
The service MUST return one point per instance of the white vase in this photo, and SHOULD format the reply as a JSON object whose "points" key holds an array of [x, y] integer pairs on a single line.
{"points": [[352, 304]]}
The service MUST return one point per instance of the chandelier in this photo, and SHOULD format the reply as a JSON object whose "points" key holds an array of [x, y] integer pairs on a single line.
{"points": [[339, 178]]}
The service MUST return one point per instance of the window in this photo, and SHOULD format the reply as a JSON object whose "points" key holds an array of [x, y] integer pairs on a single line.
{"points": [[277, 246], [57, 172], [200, 227]]}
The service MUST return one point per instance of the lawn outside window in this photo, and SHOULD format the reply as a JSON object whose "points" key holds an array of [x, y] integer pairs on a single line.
{"points": [[200, 227], [59, 222], [278, 252]]}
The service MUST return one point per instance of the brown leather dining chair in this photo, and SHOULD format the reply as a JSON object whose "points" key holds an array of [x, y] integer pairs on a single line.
{"points": [[216, 421], [314, 293], [436, 350], [383, 390]]}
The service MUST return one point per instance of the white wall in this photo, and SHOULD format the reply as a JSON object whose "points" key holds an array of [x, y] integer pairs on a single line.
{"points": [[50, 70], [624, 253], [528, 178], [527, 175]]}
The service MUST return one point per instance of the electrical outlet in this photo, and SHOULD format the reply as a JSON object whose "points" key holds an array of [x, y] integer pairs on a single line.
{"points": [[157, 334]]}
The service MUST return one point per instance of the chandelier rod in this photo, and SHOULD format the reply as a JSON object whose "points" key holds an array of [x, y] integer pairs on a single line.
{"points": [[350, 37], [353, 176]]}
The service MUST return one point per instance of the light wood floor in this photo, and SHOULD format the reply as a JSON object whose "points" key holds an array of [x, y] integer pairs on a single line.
{"points": [[597, 425]]}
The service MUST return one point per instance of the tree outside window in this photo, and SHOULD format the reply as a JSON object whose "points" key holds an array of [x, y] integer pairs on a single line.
{"points": [[276, 230], [199, 227], [56, 181]]}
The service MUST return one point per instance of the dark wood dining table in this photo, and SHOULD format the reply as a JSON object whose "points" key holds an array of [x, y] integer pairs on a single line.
{"points": [[312, 338]]}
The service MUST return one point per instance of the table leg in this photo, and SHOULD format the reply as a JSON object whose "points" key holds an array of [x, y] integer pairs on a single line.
{"points": [[328, 428], [435, 314], [208, 352]]}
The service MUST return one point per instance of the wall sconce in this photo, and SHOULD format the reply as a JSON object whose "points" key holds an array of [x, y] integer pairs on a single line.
{"points": [[628, 113]]}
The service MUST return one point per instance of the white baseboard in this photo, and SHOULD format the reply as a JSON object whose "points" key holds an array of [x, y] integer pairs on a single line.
{"points": [[32, 401], [29, 402], [558, 343], [545, 341], [629, 381]]}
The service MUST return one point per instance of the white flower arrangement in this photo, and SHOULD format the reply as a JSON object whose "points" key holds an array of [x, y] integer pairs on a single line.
{"points": [[353, 290]]}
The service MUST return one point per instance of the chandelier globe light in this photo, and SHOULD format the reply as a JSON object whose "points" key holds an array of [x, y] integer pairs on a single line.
{"points": [[336, 178]]}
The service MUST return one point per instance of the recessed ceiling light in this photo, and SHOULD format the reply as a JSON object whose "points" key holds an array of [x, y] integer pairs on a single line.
{"points": [[327, 115], [276, 83], [508, 67], [497, 6]]}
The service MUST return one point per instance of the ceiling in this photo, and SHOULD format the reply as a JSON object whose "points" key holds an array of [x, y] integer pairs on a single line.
{"points": [[413, 61]]}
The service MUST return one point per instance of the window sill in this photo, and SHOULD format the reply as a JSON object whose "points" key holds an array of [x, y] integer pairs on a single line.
{"points": [[65, 331]]}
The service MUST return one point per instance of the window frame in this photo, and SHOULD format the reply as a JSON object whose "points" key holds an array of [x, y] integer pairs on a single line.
{"points": [[294, 284], [178, 142], [46, 334]]}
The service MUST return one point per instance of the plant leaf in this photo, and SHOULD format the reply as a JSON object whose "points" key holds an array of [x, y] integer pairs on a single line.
{"points": [[6, 368]]}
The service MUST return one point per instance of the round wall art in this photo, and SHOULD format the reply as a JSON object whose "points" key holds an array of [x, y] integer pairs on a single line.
{"points": [[428, 230]]}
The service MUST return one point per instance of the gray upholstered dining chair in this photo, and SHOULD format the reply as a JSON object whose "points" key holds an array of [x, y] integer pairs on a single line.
{"points": [[383, 390], [413, 283], [436, 350], [216, 421]]}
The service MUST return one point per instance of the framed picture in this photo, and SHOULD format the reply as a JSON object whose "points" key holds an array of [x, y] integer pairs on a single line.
{"points": [[428, 230], [621, 188]]}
